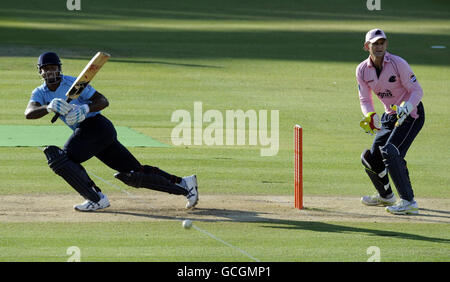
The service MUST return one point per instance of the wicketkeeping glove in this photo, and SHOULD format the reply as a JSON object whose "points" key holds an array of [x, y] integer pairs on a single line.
{"points": [[403, 111], [77, 114], [370, 123], [59, 106]]}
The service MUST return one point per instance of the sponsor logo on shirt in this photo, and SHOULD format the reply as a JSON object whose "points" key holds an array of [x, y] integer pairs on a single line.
{"points": [[386, 93], [392, 78], [413, 78]]}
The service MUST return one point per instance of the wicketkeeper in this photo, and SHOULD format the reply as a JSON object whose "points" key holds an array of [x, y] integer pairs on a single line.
{"points": [[93, 135], [392, 80]]}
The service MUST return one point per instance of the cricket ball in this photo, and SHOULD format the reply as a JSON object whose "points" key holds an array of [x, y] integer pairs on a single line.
{"points": [[187, 224]]}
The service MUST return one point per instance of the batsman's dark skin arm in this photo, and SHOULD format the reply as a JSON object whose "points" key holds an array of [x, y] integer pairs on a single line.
{"points": [[98, 102], [35, 110]]}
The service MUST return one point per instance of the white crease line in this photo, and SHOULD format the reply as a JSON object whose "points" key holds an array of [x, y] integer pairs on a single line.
{"points": [[195, 227], [225, 243]]}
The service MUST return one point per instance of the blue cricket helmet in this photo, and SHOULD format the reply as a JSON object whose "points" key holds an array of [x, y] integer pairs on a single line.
{"points": [[48, 58]]}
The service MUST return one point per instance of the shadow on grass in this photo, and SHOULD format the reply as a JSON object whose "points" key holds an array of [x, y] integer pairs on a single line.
{"points": [[438, 211], [335, 228], [155, 46], [261, 10], [258, 217], [165, 63], [130, 35]]}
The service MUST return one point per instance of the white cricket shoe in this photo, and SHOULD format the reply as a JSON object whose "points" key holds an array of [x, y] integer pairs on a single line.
{"points": [[377, 200], [93, 206], [404, 207], [192, 188]]}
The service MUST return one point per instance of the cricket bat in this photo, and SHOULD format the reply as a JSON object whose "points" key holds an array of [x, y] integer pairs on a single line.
{"points": [[83, 79]]}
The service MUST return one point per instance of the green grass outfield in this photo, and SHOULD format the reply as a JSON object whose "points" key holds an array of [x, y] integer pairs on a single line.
{"points": [[277, 241], [298, 57]]}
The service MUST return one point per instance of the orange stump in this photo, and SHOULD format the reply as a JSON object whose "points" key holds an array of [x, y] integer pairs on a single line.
{"points": [[298, 149]]}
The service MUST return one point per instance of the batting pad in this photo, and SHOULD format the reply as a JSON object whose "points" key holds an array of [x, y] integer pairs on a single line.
{"points": [[41, 135]]}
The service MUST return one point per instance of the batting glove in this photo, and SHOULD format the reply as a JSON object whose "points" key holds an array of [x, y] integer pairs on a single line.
{"points": [[403, 111], [77, 114], [59, 106], [370, 123]]}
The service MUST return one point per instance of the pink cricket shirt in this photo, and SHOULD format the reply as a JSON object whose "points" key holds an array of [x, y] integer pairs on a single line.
{"points": [[397, 83]]}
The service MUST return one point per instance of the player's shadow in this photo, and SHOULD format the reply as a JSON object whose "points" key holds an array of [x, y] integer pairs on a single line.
{"points": [[246, 216], [144, 61], [438, 211], [433, 218], [343, 229], [198, 214], [224, 215], [167, 63]]}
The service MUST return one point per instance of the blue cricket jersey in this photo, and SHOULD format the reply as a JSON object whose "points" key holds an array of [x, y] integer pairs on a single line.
{"points": [[44, 96]]}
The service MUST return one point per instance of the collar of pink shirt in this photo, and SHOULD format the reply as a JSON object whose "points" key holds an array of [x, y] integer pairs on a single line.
{"points": [[386, 59]]}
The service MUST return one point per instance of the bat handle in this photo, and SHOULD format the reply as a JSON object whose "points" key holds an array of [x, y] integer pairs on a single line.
{"points": [[56, 116]]}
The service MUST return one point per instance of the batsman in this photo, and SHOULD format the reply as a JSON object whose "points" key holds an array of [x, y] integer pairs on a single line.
{"points": [[389, 77], [93, 136]]}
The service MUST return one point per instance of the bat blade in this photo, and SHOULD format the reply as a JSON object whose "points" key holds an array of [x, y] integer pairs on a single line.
{"points": [[86, 75]]}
